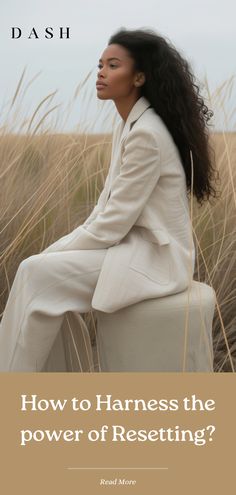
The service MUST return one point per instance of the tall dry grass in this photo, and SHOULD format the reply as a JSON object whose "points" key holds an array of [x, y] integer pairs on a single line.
{"points": [[50, 182], [215, 239]]}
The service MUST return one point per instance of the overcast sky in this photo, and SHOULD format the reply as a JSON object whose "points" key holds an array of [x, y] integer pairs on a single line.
{"points": [[203, 30]]}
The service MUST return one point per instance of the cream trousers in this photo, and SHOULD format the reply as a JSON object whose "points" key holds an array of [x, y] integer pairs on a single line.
{"points": [[45, 288]]}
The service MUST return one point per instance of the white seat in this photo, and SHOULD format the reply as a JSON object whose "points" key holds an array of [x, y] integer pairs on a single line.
{"points": [[171, 333]]}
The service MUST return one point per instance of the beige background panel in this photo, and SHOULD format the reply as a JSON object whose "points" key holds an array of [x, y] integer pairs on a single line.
{"points": [[42, 467]]}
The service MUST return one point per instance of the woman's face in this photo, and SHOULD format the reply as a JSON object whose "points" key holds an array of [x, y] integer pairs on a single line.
{"points": [[116, 72]]}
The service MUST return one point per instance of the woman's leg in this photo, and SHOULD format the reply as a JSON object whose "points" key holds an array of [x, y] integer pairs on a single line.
{"points": [[46, 286]]}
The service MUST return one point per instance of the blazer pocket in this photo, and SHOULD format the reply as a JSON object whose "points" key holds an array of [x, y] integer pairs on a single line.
{"points": [[152, 259], [158, 236]]}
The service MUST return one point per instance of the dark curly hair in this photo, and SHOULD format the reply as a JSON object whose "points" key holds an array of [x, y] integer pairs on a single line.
{"points": [[171, 90]]}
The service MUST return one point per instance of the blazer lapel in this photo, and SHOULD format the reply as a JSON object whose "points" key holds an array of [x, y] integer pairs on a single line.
{"points": [[138, 109], [122, 131], [115, 155]]}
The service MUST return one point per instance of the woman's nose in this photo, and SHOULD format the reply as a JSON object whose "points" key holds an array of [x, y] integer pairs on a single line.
{"points": [[101, 72]]}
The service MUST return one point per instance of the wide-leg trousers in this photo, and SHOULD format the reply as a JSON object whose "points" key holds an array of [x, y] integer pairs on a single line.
{"points": [[45, 288]]}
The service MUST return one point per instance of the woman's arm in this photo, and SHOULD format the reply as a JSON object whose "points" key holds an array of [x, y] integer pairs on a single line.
{"points": [[139, 173], [59, 244], [100, 203]]}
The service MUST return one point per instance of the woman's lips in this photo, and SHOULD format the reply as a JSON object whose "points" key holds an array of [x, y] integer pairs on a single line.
{"points": [[100, 86]]}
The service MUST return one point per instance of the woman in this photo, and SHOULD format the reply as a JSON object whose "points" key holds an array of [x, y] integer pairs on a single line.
{"points": [[137, 243]]}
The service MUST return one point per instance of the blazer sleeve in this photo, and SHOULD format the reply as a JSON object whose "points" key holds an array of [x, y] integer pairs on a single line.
{"points": [[100, 203], [139, 173], [103, 196]]}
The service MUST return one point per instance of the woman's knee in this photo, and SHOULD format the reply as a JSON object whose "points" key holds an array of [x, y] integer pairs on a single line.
{"points": [[31, 263]]}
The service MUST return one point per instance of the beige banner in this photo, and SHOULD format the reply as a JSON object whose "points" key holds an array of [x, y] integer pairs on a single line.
{"points": [[131, 432]]}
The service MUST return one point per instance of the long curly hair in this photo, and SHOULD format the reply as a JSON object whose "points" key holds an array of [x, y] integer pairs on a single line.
{"points": [[171, 89]]}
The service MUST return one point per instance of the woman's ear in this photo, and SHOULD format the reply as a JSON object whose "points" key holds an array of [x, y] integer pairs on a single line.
{"points": [[140, 79]]}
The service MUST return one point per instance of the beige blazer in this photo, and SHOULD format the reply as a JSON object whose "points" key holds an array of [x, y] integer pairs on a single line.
{"points": [[141, 216]]}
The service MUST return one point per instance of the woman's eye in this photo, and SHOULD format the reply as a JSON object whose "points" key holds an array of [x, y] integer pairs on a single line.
{"points": [[111, 65]]}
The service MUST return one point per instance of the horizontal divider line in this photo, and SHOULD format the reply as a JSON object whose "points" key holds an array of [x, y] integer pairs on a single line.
{"points": [[117, 468]]}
